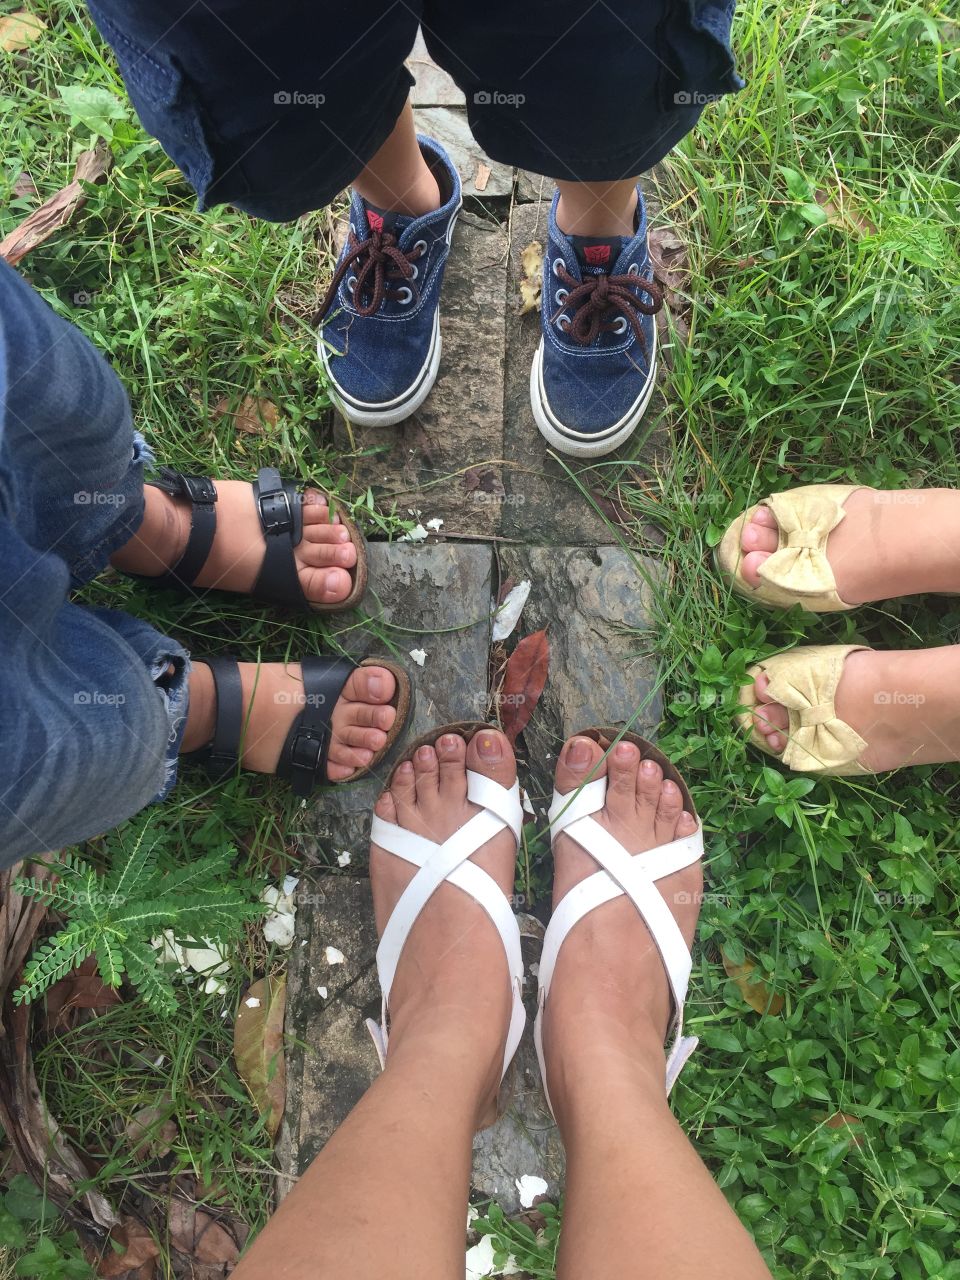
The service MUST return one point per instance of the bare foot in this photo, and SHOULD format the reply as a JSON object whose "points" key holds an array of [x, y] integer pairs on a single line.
{"points": [[905, 704], [890, 543], [452, 985], [361, 719], [610, 1003], [324, 555]]}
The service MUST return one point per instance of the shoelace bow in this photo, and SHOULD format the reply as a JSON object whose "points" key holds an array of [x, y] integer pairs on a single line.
{"points": [[593, 298], [379, 257]]}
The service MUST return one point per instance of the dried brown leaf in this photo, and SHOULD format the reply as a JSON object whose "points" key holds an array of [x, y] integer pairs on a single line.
{"points": [[531, 262], [19, 29], [523, 683], [24, 186], [137, 1246], [483, 176], [254, 415], [59, 209], [200, 1235], [258, 1048]]}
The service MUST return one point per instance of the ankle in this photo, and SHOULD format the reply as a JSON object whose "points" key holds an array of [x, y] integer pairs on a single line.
{"points": [[160, 539], [451, 1051], [584, 211], [413, 197], [201, 708]]}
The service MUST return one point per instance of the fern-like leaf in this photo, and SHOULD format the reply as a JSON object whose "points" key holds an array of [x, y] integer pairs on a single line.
{"points": [[55, 958], [149, 979], [110, 961]]}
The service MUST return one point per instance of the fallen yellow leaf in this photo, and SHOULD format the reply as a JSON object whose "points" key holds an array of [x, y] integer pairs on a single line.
{"points": [[754, 990], [17, 30], [258, 1048]]}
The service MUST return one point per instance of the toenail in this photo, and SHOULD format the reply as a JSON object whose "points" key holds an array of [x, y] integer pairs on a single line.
{"points": [[344, 556], [489, 747], [669, 788], [624, 750], [343, 534], [448, 742], [374, 686], [578, 754], [424, 754], [405, 768], [648, 767]]}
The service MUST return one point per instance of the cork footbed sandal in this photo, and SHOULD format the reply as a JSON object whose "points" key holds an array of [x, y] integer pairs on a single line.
{"points": [[621, 872], [798, 572], [436, 864], [303, 757], [805, 680]]}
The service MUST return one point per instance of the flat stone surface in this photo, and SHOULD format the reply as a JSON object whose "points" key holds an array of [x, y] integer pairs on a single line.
{"points": [[543, 502], [334, 1061], [450, 128], [433, 88], [430, 596], [428, 461], [590, 600]]}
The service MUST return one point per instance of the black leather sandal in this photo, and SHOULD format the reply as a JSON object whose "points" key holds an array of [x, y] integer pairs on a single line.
{"points": [[280, 508], [303, 759]]}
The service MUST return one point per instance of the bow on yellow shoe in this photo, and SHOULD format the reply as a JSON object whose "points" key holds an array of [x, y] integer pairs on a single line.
{"points": [[798, 572], [805, 680]]}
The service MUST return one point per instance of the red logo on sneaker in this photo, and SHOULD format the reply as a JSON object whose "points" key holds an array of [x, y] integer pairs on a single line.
{"points": [[598, 255], [375, 220]]}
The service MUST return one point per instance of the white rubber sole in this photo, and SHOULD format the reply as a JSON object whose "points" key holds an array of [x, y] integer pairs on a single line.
{"points": [[583, 444], [387, 414]]}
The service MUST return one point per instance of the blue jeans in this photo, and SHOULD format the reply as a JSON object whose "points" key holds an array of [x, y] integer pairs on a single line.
{"points": [[92, 702]]}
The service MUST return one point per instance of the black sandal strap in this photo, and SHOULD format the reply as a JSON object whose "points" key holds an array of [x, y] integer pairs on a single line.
{"points": [[303, 760], [280, 507], [221, 756], [202, 496]]}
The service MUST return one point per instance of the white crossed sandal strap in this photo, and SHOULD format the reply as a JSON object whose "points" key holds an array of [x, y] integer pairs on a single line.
{"points": [[621, 872], [449, 862]]}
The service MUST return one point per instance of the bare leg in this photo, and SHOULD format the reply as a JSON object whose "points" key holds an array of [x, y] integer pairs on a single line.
{"points": [[398, 178], [638, 1196], [597, 208], [387, 1196]]}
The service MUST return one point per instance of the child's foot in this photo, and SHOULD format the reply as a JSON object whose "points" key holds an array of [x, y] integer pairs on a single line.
{"points": [[889, 544], [379, 338], [361, 720], [609, 1006], [905, 704], [595, 369], [324, 556], [452, 987]]}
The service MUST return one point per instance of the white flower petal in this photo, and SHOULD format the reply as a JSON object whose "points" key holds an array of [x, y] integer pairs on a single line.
{"points": [[416, 534], [334, 956], [322, 992], [419, 656], [252, 1002], [343, 858], [529, 1187], [434, 524], [507, 615]]}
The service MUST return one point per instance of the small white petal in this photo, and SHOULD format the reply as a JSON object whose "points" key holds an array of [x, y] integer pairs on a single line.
{"points": [[479, 1259], [417, 534], [507, 615], [419, 656], [289, 884], [535, 969], [334, 956], [527, 806], [529, 1187], [434, 524], [343, 858], [252, 1002], [322, 991]]}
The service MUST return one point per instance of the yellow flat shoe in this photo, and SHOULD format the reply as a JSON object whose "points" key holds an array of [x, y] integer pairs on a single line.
{"points": [[805, 680], [798, 572]]}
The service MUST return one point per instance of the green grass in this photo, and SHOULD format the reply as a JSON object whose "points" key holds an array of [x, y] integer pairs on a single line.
{"points": [[820, 207]]}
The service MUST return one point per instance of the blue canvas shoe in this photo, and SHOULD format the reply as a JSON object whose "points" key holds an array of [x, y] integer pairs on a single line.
{"points": [[595, 369], [379, 339]]}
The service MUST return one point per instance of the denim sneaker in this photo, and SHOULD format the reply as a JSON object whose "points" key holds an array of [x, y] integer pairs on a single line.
{"points": [[379, 338], [595, 369]]}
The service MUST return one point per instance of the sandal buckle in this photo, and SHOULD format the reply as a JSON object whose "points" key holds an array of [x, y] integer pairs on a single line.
{"points": [[276, 515]]}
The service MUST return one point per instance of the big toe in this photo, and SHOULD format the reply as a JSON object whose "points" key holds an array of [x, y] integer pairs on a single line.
{"points": [[580, 761], [490, 754]]}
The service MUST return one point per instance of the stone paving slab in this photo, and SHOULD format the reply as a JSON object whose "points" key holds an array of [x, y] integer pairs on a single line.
{"points": [[433, 88], [424, 462], [431, 596], [450, 128], [592, 601]]}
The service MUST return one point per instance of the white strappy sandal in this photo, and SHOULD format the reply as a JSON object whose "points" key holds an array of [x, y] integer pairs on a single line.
{"points": [[449, 861], [622, 872]]}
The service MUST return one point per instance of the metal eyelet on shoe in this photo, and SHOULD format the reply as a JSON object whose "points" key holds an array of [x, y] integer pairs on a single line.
{"points": [[557, 265], [620, 325], [633, 269], [351, 283], [404, 300], [563, 323], [414, 271], [421, 245], [561, 296]]}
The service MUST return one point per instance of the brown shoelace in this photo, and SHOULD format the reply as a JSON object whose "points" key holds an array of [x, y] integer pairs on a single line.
{"points": [[378, 261], [595, 297]]}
